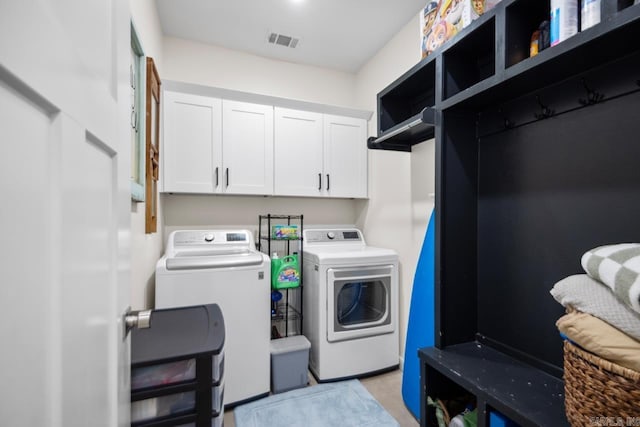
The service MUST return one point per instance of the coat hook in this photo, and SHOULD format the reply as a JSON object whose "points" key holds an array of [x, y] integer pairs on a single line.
{"points": [[505, 120], [593, 97], [545, 112]]}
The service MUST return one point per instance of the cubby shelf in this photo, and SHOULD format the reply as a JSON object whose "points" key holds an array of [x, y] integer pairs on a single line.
{"points": [[525, 395], [470, 60], [410, 132], [488, 63], [405, 109]]}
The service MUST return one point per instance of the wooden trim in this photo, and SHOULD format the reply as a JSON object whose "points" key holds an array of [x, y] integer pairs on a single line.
{"points": [[152, 147]]}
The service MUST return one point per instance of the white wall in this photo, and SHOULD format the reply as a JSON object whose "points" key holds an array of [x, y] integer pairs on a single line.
{"points": [[210, 65], [147, 22], [400, 184], [197, 211], [145, 248]]}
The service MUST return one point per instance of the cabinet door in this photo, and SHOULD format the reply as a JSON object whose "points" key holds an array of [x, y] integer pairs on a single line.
{"points": [[192, 143], [247, 135], [298, 153], [345, 157]]}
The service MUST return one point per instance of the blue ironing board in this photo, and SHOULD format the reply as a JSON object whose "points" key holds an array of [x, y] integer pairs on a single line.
{"points": [[421, 328]]}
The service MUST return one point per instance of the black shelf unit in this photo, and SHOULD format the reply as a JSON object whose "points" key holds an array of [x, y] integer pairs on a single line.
{"points": [[498, 382], [405, 109], [179, 375], [535, 164], [488, 63], [470, 60], [408, 133], [286, 315]]}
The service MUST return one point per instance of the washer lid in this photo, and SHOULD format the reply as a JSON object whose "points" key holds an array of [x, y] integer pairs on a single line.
{"points": [[222, 260], [210, 249]]}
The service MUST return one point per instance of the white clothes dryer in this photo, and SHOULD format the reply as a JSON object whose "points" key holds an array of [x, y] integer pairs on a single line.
{"points": [[223, 267], [350, 304]]}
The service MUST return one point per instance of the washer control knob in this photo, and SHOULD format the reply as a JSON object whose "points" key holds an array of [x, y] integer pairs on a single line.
{"points": [[331, 235], [208, 237]]}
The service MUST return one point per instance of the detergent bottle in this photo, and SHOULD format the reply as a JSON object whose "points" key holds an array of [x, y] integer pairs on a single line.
{"points": [[285, 272], [275, 266]]}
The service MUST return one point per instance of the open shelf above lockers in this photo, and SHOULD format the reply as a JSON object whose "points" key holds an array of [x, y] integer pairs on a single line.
{"points": [[470, 60], [488, 63], [405, 109]]}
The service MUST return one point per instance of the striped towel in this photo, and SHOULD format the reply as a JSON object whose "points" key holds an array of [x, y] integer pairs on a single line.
{"points": [[618, 267]]}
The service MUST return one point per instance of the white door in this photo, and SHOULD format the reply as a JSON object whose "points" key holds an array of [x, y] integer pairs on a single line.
{"points": [[247, 150], [298, 153], [345, 156], [192, 143], [64, 221]]}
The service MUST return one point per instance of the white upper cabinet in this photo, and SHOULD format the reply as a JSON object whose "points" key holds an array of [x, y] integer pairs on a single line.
{"points": [[298, 153], [215, 144], [319, 155], [192, 149], [345, 157], [247, 135]]}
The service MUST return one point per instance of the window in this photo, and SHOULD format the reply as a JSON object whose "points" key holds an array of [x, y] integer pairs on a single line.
{"points": [[137, 79]]}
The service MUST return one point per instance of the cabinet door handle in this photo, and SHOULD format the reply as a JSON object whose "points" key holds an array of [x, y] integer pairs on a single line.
{"points": [[217, 178], [327, 182], [227, 176], [319, 182]]}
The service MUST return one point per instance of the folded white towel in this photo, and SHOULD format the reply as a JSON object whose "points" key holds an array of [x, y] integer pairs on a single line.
{"points": [[590, 296]]}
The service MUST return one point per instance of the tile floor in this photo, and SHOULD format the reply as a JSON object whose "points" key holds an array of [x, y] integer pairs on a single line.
{"points": [[386, 388]]}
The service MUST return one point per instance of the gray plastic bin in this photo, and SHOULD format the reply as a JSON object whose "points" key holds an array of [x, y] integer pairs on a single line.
{"points": [[289, 363]]}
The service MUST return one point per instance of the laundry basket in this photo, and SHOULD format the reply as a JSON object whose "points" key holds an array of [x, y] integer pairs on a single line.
{"points": [[596, 388]]}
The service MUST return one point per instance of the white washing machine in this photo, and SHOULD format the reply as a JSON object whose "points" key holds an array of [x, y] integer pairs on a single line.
{"points": [[350, 304], [223, 267]]}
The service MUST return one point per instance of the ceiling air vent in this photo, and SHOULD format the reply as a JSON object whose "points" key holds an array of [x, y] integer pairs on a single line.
{"points": [[282, 40]]}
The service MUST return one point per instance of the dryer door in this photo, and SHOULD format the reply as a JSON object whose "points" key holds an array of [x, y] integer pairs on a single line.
{"points": [[359, 302]]}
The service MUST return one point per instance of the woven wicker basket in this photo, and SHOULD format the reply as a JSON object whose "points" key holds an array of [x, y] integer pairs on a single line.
{"points": [[596, 389]]}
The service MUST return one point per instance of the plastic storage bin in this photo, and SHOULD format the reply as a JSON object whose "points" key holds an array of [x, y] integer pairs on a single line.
{"points": [[162, 406], [289, 363], [166, 373], [177, 369]]}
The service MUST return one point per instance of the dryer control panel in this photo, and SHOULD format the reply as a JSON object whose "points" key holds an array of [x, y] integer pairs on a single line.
{"points": [[333, 236]]}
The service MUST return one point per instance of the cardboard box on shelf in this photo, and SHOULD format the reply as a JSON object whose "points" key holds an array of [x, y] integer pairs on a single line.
{"points": [[443, 19]]}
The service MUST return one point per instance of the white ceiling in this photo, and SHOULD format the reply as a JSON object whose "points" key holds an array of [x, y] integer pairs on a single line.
{"points": [[337, 34]]}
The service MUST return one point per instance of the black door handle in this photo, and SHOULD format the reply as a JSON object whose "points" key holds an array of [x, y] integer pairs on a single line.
{"points": [[227, 175], [217, 178], [327, 182], [319, 182]]}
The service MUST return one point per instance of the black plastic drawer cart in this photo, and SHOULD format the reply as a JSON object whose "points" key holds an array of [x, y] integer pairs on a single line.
{"points": [[177, 369]]}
